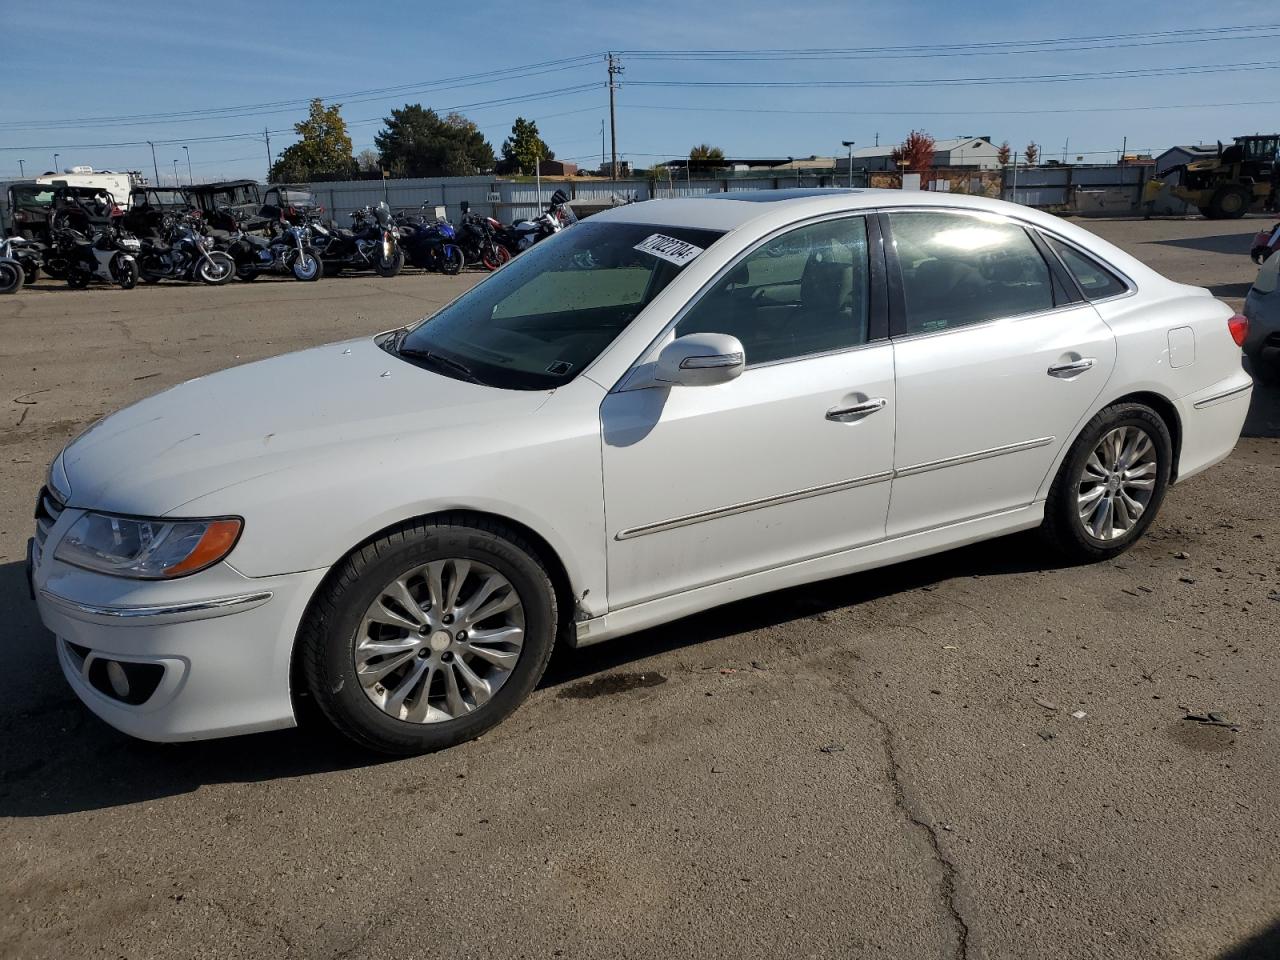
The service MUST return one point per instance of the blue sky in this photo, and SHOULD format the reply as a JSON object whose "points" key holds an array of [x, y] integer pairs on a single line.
{"points": [[83, 61]]}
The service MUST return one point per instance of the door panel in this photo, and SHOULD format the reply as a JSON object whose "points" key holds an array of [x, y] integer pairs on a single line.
{"points": [[703, 484], [980, 417]]}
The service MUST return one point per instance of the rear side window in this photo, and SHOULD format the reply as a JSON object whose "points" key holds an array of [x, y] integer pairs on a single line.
{"points": [[959, 270], [1096, 281]]}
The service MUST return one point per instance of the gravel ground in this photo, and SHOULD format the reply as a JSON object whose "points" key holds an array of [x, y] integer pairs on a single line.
{"points": [[892, 764]]}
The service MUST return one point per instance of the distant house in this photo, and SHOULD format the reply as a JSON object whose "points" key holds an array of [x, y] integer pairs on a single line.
{"points": [[1176, 156], [976, 152]]}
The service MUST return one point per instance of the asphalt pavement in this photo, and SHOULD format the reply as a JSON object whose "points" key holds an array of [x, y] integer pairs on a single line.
{"points": [[983, 754]]}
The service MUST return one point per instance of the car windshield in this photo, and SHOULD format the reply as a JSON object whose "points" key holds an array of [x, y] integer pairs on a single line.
{"points": [[537, 322]]}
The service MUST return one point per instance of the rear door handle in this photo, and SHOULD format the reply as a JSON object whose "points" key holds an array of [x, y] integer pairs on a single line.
{"points": [[857, 411], [1071, 369]]}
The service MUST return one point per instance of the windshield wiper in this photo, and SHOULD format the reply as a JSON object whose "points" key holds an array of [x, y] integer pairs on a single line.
{"points": [[456, 366]]}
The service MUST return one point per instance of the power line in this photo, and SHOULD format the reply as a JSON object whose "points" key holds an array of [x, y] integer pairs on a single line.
{"points": [[954, 113], [969, 81]]}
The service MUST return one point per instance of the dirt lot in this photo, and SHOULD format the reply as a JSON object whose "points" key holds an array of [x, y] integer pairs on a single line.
{"points": [[886, 765]]}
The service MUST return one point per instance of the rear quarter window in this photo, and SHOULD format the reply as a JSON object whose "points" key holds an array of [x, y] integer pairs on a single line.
{"points": [[1096, 281]]}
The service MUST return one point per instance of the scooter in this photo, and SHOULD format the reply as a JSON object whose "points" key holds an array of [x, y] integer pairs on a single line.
{"points": [[108, 255]]}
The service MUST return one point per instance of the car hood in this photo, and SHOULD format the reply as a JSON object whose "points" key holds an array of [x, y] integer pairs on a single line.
{"points": [[299, 410]]}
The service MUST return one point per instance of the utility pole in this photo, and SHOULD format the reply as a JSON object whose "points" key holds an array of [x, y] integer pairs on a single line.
{"points": [[175, 171], [270, 163], [849, 144], [877, 138], [615, 68], [1124, 146], [154, 165], [22, 170], [190, 178], [55, 162], [1065, 147], [602, 150]]}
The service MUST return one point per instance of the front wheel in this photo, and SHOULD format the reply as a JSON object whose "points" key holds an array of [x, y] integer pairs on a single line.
{"points": [[429, 636], [495, 256], [216, 269], [390, 267], [452, 260], [125, 272], [11, 276], [1111, 484], [308, 267]]}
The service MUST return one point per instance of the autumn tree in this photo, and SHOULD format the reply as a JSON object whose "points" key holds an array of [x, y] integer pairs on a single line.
{"points": [[1003, 154], [705, 157], [417, 142], [323, 151], [524, 148], [1032, 153], [915, 153]]}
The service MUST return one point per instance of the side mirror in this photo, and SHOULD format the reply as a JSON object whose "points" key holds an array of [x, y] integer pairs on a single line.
{"points": [[700, 360]]}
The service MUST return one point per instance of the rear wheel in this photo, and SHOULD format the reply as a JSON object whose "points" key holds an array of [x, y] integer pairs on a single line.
{"points": [[1229, 203], [246, 272], [11, 276], [495, 256], [1110, 486], [78, 278], [430, 635], [30, 270]]}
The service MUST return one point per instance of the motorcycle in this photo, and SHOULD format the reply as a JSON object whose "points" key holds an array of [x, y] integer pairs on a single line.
{"points": [[1265, 244], [430, 245], [478, 237], [289, 251], [183, 252], [523, 234], [28, 255], [108, 255], [372, 243]]}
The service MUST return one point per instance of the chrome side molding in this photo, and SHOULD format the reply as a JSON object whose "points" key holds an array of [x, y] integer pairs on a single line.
{"points": [[974, 457], [1219, 397], [195, 609]]}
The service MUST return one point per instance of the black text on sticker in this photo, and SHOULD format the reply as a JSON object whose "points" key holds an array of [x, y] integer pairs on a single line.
{"points": [[676, 251]]}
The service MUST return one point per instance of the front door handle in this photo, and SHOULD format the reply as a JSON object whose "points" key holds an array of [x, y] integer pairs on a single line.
{"points": [[1074, 368], [857, 411]]}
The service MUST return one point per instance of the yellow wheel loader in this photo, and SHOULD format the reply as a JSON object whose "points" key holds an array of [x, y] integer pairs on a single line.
{"points": [[1226, 186]]}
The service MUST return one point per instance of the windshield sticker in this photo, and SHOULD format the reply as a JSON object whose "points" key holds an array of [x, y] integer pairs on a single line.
{"points": [[670, 249]]}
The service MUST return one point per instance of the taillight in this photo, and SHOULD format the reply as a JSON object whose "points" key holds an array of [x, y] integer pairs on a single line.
{"points": [[1239, 327]]}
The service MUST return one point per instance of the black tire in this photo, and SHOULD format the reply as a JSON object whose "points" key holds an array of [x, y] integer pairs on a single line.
{"points": [[452, 261], [31, 271], [126, 273], [77, 278], [11, 276], [1229, 203], [314, 265], [390, 267], [56, 268], [1063, 527], [326, 640], [246, 273]]}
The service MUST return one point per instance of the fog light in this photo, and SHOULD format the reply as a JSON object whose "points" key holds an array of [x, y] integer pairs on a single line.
{"points": [[119, 679]]}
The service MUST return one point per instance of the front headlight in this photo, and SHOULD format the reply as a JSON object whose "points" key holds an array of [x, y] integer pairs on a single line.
{"points": [[147, 549]]}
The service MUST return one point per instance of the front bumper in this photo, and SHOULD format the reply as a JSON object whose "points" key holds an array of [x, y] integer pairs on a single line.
{"points": [[204, 656]]}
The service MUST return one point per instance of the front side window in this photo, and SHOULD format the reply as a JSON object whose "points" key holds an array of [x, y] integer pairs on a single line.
{"points": [[802, 293], [1096, 281], [959, 269], [537, 322]]}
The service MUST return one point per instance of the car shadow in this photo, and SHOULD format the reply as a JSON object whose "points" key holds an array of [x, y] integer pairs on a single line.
{"points": [[1264, 945], [1228, 243], [56, 757], [1230, 291]]}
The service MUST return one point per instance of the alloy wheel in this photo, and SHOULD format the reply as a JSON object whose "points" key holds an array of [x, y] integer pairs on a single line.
{"points": [[1117, 483], [439, 641]]}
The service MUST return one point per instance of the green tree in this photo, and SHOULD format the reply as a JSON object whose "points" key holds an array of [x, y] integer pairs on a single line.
{"points": [[705, 157], [324, 150], [524, 148], [417, 142]]}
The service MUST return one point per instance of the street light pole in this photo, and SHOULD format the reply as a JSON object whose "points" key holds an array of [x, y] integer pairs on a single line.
{"points": [[190, 179], [849, 144], [154, 165], [55, 162], [175, 171], [22, 170]]}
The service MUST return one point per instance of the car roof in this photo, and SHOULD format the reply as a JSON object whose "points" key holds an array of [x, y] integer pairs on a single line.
{"points": [[764, 210]]}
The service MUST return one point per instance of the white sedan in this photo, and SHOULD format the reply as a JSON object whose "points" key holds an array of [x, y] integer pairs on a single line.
{"points": [[669, 406]]}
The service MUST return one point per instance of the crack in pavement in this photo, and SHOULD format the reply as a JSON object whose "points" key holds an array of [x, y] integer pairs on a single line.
{"points": [[893, 773]]}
